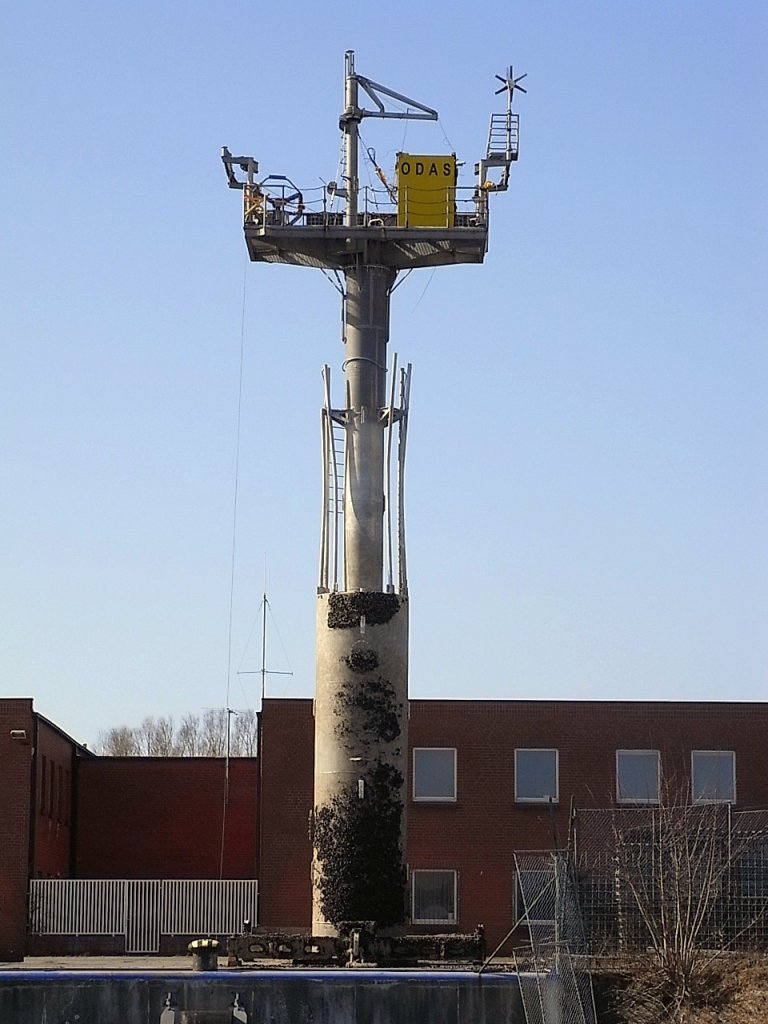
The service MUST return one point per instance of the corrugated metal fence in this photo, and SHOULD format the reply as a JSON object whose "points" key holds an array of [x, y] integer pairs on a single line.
{"points": [[141, 910]]}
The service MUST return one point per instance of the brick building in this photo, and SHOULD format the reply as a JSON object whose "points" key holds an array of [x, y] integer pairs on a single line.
{"points": [[491, 778], [38, 766], [66, 813], [488, 779]]}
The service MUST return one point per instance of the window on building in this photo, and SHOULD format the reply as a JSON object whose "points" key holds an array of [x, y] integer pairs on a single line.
{"points": [[535, 896], [536, 776], [43, 784], [51, 787], [434, 773], [433, 897], [67, 795], [713, 776], [638, 774]]}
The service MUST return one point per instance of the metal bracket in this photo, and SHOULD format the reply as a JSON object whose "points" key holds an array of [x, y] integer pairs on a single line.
{"points": [[245, 163], [174, 1014], [421, 113]]}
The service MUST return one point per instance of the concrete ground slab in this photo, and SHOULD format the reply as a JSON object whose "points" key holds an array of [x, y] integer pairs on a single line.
{"points": [[102, 963]]}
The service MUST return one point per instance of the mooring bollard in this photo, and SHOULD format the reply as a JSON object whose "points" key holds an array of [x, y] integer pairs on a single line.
{"points": [[205, 954]]}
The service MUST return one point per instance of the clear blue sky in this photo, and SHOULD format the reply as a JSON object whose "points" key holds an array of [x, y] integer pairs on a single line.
{"points": [[588, 480]]}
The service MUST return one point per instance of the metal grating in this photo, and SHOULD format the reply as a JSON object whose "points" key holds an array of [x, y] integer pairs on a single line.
{"points": [[615, 843], [209, 907], [76, 906], [555, 984], [141, 910]]}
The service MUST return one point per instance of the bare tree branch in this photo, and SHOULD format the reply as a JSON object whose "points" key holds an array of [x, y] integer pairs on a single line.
{"points": [[673, 866], [194, 737]]}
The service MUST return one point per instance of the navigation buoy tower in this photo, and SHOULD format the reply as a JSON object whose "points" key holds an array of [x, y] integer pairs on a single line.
{"points": [[366, 236]]}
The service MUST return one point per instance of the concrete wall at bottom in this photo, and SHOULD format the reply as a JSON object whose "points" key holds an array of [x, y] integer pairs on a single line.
{"points": [[282, 997]]}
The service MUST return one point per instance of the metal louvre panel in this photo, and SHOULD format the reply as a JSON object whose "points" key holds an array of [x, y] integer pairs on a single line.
{"points": [[142, 910], [142, 905], [76, 906], [207, 907]]}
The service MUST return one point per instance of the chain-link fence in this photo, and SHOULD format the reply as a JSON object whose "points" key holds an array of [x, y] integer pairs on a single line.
{"points": [[641, 871], [555, 985]]}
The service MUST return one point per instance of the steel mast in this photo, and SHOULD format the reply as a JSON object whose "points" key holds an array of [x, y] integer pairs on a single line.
{"points": [[361, 743]]}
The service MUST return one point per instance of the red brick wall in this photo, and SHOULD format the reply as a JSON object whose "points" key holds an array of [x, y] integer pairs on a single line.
{"points": [[15, 807], [161, 817], [287, 753], [477, 835], [146, 817], [53, 802]]}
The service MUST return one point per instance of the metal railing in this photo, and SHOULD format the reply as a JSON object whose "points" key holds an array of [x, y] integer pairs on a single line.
{"points": [[142, 910], [282, 206], [503, 136]]}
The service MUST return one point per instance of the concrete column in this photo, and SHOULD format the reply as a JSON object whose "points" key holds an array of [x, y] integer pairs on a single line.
{"points": [[361, 751], [361, 701]]}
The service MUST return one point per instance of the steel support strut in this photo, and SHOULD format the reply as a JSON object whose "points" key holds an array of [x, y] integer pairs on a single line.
{"points": [[366, 333]]}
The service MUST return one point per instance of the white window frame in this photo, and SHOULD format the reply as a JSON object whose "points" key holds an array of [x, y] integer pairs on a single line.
{"points": [[435, 799], [638, 800], [714, 800], [539, 799], [451, 920]]}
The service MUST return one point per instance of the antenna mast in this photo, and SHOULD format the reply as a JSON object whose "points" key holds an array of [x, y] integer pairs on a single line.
{"points": [[264, 671]]}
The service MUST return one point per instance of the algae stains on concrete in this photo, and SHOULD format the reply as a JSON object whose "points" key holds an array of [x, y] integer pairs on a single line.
{"points": [[357, 841], [361, 742], [346, 610], [368, 710], [362, 658]]}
